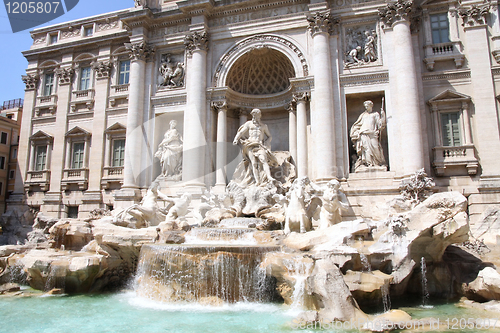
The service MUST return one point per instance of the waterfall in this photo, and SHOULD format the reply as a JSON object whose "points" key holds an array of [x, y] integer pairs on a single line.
{"points": [[236, 236], [386, 298], [299, 271], [196, 273], [366, 264], [425, 290]]}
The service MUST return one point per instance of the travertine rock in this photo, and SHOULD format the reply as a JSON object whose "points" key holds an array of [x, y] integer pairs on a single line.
{"points": [[485, 287], [71, 234], [366, 287], [333, 299], [488, 228]]}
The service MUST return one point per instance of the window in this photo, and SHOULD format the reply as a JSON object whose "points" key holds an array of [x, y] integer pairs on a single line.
{"points": [[451, 129], [53, 39], [14, 153], [440, 28], [118, 153], [1, 188], [72, 212], [124, 72], [3, 138], [78, 155], [85, 78], [2, 162], [10, 116], [48, 84], [12, 174], [40, 158], [88, 31]]}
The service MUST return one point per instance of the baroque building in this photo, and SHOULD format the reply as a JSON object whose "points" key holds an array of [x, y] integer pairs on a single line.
{"points": [[102, 92]]}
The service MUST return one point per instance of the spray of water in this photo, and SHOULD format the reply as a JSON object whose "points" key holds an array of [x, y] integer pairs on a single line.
{"points": [[425, 290]]}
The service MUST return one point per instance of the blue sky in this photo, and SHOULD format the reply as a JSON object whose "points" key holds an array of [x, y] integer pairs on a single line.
{"points": [[12, 62]]}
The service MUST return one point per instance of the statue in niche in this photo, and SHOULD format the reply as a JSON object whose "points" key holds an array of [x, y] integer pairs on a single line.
{"points": [[255, 140], [172, 73], [170, 153], [365, 135], [334, 202], [370, 54]]}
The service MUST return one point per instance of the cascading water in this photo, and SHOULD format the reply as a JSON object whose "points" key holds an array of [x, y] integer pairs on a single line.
{"points": [[366, 264], [239, 236], [386, 298], [299, 271], [425, 290], [192, 273]]}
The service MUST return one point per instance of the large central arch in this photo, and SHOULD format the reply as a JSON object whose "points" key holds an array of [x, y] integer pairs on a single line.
{"points": [[265, 41]]}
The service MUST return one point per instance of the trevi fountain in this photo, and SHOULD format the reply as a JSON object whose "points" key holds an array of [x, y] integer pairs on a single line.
{"points": [[270, 253]]}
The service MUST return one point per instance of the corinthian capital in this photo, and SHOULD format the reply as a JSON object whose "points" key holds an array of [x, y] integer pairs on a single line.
{"points": [[31, 81], [102, 69], [301, 96], [475, 15], [322, 22], [140, 51], [65, 75], [196, 41], [395, 12], [219, 105]]}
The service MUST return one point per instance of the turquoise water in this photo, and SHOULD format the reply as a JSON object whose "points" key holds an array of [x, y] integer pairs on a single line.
{"points": [[128, 313], [125, 312]]}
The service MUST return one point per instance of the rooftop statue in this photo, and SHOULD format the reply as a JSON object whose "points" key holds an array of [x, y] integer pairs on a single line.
{"points": [[365, 135], [170, 153]]}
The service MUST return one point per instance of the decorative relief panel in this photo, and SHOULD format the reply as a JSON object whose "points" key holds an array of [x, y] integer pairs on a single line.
{"points": [[70, 33], [171, 71], [107, 25], [361, 46]]}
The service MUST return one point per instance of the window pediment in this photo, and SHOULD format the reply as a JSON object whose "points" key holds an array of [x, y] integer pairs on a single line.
{"points": [[78, 132], [41, 135], [448, 96]]}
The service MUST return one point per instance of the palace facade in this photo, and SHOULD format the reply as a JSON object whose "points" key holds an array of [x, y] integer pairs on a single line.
{"points": [[102, 91]]}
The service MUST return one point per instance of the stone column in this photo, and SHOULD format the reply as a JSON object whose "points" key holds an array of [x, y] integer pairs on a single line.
{"points": [[301, 99], [322, 115], [465, 115], [397, 16], [486, 117], [292, 130], [221, 159], [243, 114], [193, 158], [139, 53]]}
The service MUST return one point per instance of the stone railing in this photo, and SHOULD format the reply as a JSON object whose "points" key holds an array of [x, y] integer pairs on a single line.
{"points": [[37, 178], [82, 97], [442, 52], [112, 175], [456, 159], [78, 177], [118, 95], [47, 100]]}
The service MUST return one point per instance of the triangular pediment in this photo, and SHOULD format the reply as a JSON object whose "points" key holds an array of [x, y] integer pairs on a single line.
{"points": [[449, 96], [41, 135], [116, 127], [77, 131]]}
